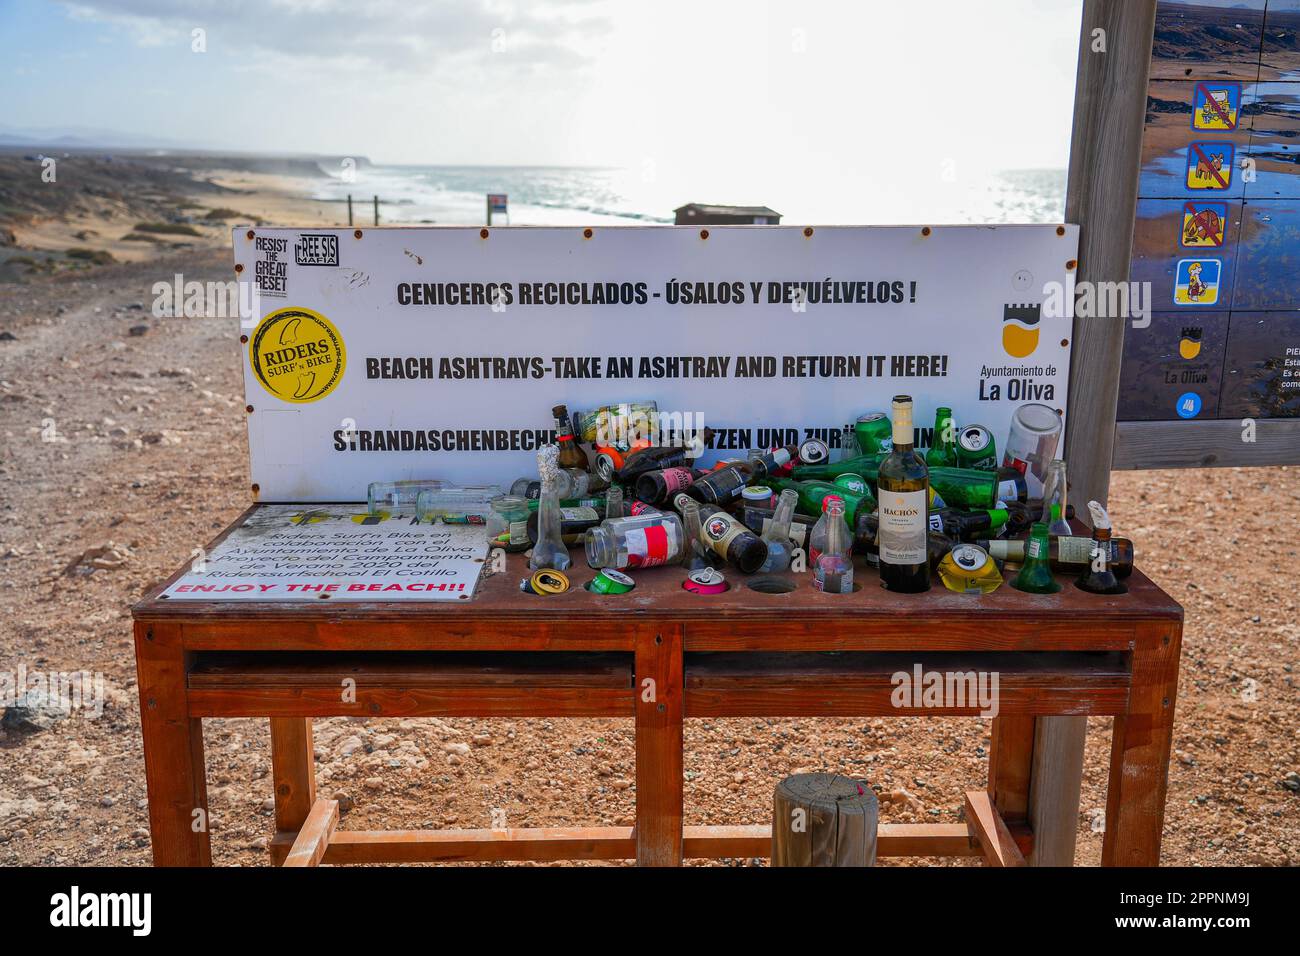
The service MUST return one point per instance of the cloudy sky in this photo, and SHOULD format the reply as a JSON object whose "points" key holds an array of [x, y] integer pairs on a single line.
{"points": [[788, 86]]}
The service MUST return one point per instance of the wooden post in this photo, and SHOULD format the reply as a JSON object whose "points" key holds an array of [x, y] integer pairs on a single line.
{"points": [[293, 774], [1101, 197], [376, 210], [173, 750], [1110, 100], [659, 697], [349, 209], [823, 819]]}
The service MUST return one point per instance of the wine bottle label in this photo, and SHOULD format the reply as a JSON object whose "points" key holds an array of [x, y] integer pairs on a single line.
{"points": [[1037, 548], [648, 547], [902, 527]]}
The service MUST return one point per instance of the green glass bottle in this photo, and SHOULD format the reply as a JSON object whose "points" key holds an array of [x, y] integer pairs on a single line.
{"points": [[813, 493], [1035, 575], [868, 466], [968, 488], [943, 443]]}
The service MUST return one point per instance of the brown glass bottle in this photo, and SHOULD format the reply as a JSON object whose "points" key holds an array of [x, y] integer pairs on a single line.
{"points": [[572, 454]]}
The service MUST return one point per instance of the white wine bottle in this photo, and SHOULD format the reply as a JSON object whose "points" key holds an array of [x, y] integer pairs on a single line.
{"points": [[903, 494]]}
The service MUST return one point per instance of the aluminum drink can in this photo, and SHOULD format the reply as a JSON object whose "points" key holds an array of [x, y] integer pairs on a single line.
{"points": [[875, 433], [814, 451], [976, 448]]}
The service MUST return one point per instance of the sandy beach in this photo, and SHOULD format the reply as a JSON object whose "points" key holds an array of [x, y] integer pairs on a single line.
{"points": [[108, 208], [125, 448]]}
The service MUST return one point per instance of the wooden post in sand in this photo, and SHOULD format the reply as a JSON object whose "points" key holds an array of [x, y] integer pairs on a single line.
{"points": [[376, 210], [823, 819], [349, 209]]}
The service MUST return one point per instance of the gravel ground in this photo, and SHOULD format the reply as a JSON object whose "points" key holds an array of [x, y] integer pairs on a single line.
{"points": [[124, 436]]}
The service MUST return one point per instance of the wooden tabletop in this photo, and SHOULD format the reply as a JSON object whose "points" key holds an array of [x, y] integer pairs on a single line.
{"points": [[659, 599]]}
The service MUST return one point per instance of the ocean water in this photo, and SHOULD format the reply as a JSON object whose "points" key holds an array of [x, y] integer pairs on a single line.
{"points": [[554, 195]]}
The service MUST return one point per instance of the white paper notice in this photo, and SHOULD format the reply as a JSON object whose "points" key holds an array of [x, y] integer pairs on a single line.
{"points": [[337, 553]]}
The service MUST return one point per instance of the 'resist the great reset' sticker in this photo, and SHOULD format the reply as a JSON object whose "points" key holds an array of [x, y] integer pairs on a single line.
{"points": [[297, 355]]}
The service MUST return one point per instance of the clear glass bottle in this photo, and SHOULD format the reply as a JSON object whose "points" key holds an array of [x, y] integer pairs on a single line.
{"points": [[614, 502], [777, 535], [569, 483], [694, 554], [1054, 503], [903, 491], [399, 495], [644, 541], [467, 504], [507, 525], [549, 551], [820, 531], [833, 572]]}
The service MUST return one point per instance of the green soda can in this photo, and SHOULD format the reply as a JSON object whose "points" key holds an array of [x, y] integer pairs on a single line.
{"points": [[976, 448], [875, 433]]}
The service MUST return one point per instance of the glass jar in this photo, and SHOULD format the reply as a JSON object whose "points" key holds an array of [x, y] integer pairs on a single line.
{"points": [[507, 524]]}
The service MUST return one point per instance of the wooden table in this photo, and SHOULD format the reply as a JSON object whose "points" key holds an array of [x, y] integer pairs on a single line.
{"points": [[658, 655]]}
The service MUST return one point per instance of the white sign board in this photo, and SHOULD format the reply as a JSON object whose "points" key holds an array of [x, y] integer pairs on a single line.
{"points": [[438, 352], [286, 553]]}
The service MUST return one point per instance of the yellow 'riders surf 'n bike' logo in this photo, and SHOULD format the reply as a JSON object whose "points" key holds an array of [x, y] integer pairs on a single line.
{"points": [[297, 355]]}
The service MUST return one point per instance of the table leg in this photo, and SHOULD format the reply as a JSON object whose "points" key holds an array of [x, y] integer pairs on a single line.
{"points": [[659, 769], [1139, 761], [1010, 761], [173, 750], [293, 773]]}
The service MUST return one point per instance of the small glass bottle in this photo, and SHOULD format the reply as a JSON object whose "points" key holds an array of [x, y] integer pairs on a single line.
{"points": [[507, 525], [694, 554], [466, 504], [571, 453], [399, 495], [1035, 575], [820, 531], [614, 502], [777, 534], [943, 441], [549, 551], [833, 572], [645, 541], [569, 483], [1098, 577], [1054, 504]]}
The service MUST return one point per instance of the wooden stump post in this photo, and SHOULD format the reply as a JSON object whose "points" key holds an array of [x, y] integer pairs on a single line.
{"points": [[823, 819]]}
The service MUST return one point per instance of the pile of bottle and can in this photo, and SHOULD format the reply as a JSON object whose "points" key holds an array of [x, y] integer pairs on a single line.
{"points": [[958, 513]]}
